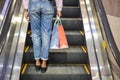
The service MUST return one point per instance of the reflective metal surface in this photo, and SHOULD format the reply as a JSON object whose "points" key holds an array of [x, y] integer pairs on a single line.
{"points": [[5, 4], [5, 21], [8, 54], [19, 51], [90, 42], [3, 7], [5, 54], [103, 64]]}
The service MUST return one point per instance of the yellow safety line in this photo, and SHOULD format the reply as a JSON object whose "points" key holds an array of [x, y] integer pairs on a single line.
{"points": [[24, 68], [83, 48], [104, 44], [29, 32], [86, 68], [82, 32], [26, 49]]}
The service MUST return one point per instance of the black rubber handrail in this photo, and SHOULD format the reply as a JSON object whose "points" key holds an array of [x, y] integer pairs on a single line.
{"points": [[108, 33]]}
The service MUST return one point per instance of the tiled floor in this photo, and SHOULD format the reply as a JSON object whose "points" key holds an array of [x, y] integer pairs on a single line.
{"points": [[115, 28], [112, 7]]}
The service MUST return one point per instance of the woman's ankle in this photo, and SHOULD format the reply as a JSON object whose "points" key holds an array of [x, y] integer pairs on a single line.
{"points": [[38, 62], [44, 63]]}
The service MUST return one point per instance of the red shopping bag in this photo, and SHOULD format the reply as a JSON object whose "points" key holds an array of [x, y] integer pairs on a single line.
{"points": [[63, 43]]}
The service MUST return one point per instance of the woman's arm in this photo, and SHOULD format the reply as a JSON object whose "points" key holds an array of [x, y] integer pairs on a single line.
{"points": [[25, 4], [59, 5]]}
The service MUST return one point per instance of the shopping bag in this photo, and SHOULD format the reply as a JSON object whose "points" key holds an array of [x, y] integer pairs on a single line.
{"points": [[63, 43], [54, 39]]}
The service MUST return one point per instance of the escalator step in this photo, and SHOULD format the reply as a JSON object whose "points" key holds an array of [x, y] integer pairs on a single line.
{"points": [[70, 24], [72, 55], [70, 12], [70, 2], [57, 72], [73, 38]]}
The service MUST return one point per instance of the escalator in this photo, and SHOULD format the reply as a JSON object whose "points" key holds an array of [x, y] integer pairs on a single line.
{"points": [[86, 59], [63, 64]]}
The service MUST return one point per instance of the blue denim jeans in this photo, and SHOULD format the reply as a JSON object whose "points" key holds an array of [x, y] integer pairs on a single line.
{"points": [[41, 13]]}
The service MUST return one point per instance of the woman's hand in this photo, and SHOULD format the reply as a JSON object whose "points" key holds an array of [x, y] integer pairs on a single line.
{"points": [[59, 14], [26, 14]]}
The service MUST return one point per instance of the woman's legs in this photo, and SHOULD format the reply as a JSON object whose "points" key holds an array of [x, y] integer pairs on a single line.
{"points": [[41, 26]]}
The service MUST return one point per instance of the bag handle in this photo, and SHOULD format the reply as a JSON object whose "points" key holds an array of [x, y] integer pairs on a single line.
{"points": [[57, 21]]}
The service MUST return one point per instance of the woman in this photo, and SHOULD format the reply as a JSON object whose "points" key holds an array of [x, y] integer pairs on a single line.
{"points": [[40, 14]]}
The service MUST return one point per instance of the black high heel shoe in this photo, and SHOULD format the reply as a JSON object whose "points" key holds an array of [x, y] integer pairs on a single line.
{"points": [[43, 69], [37, 68]]}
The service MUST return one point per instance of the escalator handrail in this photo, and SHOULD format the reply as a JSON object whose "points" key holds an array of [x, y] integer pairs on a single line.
{"points": [[108, 33]]}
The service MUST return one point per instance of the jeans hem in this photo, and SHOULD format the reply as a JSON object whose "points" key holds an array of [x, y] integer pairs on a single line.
{"points": [[44, 59], [37, 58]]}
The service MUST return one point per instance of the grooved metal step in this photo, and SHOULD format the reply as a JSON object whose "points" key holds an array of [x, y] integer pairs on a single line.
{"points": [[73, 38], [74, 24], [70, 12], [57, 72], [72, 55], [70, 2]]}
